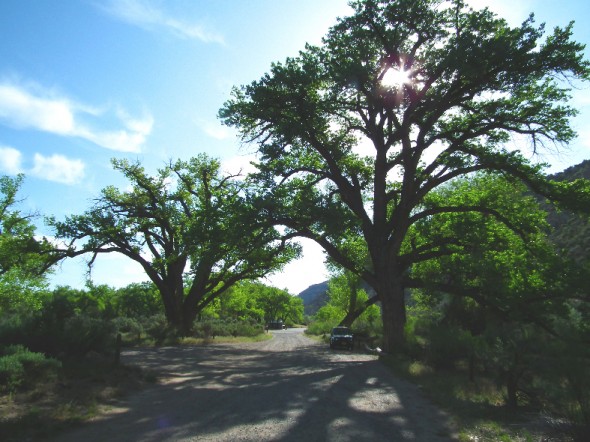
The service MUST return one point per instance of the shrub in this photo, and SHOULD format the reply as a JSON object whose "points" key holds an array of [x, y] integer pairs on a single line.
{"points": [[83, 334], [20, 367], [157, 328], [445, 345], [12, 373], [248, 329], [210, 328], [320, 327], [130, 328]]}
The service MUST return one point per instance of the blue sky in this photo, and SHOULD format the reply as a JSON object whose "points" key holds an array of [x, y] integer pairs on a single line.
{"points": [[83, 81]]}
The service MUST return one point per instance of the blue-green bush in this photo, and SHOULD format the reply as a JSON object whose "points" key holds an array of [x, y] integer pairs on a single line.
{"points": [[209, 328], [131, 328], [21, 368], [82, 334]]}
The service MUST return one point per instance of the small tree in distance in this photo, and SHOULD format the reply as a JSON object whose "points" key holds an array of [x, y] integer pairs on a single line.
{"points": [[195, 232], [403, 97]]}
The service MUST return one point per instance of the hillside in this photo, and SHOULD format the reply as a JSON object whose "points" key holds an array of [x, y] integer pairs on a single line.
{"points": [[314, 297], [571, 231]]}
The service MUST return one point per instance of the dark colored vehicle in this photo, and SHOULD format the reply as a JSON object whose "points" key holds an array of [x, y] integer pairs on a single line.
{"points": [[341, 337], [276, 325]]}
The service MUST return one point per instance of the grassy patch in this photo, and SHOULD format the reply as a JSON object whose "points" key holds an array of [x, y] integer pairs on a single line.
{"points": [[477, 408], [224, 339]]}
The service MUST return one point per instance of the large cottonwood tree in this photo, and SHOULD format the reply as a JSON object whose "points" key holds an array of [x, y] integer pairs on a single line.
{"points": [[402, 97], [195, 232]]}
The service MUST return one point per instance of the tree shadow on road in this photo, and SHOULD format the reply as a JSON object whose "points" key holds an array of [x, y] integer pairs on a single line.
{"points": [[222, 392]]}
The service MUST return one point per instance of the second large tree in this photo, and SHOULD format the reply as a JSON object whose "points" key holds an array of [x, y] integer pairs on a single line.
{"points": [[195, 232]]}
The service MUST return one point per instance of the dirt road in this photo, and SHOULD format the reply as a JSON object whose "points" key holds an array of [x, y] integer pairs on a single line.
{"points": [[287, 389]]}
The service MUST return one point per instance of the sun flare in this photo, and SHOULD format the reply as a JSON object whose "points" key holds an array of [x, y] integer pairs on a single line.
{"points": [[395, 78]]}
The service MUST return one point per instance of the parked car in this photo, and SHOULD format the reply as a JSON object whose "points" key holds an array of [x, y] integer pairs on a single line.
{"points": [[276, 325], [341, 337]]}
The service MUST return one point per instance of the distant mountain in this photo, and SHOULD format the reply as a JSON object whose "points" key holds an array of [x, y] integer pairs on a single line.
{"points": [[571, 231], [581, 170], [314, 297]]}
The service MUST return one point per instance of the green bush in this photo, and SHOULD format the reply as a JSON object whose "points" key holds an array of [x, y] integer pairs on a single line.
{"points": [[248, 329], [12, 373], [320, 327], [446, 345], [157, 328], [83, 334], [130, 328], [21, 368], [210, 328]]}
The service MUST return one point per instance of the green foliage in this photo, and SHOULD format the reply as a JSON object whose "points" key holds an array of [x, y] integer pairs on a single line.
{"points": [[24, 259], [319, 327], [571, 231], [131, 329], [348, 305], [137, 300], [241, 302], [217, 327], [158, 328], [21, 368], [12, 372], [256, 302], [83, 334], [70, 323]]}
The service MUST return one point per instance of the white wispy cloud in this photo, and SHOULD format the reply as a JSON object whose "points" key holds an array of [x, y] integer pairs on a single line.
{"points": [[216, 130], [239, 164], [22, 109], [148, 15], [57, 168], [26, 107]]}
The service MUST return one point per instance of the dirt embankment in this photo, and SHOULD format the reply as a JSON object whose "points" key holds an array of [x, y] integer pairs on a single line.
{"points": [[287, 389]]}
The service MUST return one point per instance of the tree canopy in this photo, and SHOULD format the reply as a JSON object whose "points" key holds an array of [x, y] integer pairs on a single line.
{"points": [[24, 258], [194, 231], [403, 97]]}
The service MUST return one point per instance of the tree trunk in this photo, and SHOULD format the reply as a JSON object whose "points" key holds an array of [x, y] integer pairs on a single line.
{"points": [[173, 308], [393, 313], [351, 316], [189, 314]]}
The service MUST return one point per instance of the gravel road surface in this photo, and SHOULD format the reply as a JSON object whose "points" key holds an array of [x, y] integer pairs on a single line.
{"points": [[289, 388]]}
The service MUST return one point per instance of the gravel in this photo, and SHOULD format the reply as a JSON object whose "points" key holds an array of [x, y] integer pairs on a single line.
{"points": [[289, 388]]}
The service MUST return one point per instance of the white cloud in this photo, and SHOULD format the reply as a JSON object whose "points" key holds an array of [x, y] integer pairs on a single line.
{"points": [[23, 110], [10, 160], [147, 15], [58, 168], [239, 164], [34, 108], [216, 130]]}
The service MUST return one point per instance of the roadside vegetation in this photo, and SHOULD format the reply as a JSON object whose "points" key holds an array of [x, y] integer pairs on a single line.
{"points": [[58, 359], [506, 352]]}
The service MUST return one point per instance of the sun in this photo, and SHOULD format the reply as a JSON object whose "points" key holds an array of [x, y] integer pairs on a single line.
{"points": [[395, 78]]}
